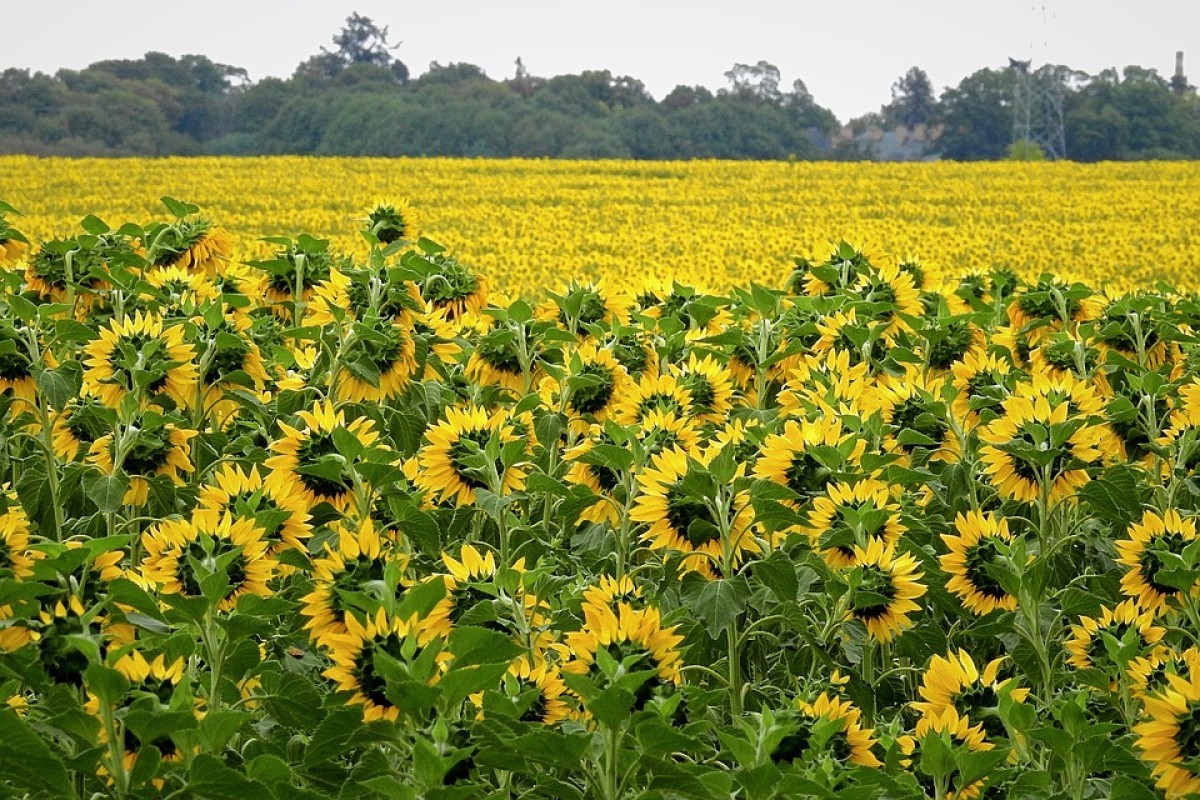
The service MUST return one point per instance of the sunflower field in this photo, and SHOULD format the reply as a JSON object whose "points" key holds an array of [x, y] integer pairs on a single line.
{"points": [[352, 520]]}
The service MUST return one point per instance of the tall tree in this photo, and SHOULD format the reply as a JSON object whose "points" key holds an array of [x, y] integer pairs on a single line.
{"points": [[913, 100]]}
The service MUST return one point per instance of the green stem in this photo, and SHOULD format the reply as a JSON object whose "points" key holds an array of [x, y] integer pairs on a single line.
{"points": [[735, 670]]}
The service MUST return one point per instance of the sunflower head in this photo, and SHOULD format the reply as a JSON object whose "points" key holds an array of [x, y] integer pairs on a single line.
{"points": [[392, 221]]}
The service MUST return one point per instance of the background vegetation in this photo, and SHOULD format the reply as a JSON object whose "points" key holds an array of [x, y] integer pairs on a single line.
{"points": [[358, 99]]}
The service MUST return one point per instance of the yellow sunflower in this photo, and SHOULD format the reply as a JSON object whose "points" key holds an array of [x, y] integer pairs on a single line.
{"points": [[1168, 736], [233, 361], [353, 654], [176, 547], [179, 289], [684, 524], [454, 289], [444, 470], [590, 303], [283, 517], [1086, 646], [961, 732], [850, 514], [650, 393], [786, 458], [154, 451], [856, 742], [359, 557], [627, 633], [195, 244], [912, 408], [590, 388], [306, 463], [954, 682], [971, 551], [892, 295], [392, 220], [140, 344], [887, 590], [710, 385], [379, 366], [980, 381], [16, 559], [1142, 554], [80, 423]]}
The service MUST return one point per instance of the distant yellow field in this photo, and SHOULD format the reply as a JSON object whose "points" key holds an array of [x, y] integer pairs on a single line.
{"points": [[531, 224]]}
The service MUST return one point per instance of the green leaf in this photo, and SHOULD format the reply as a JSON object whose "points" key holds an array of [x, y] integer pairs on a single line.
{"points": [[106, 683], [472, 646], [29, 764], [778, 573], [718, 603], [106, 491], [211, 780]]}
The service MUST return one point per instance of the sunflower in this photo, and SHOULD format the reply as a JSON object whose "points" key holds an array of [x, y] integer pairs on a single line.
{"points": [[391, 221], [437, 342], [684, 524], [610, 592], [652, 392], [175, 549], [824, 385], [195, 244], [282, 517], [710, 386], [127, 350], [179, 289], [1024, 427], [890, 578], [444, 469], [971, 551], [279, 284], [239, 285], [495, 359], [380, 361], [629, 635], [307, 464], [17, 369], [853, 743], [354, 655], [48, 275], [155, 450], [357, 294], [453, 288], [1142, 554], [912, 408], [12, 249], [60, 626], [961, 732], [981, 383], [1169, 735], [1148, 675], [538, 688], [234, 362], [664, 430], [1086, 645], [474, 597], [1049, 299], [590, 388], [850, 514], [16, 559], [889, 294], [601, 479], [584, 304], [360, 557], [954, 682], [786, 458], [635, 351]]}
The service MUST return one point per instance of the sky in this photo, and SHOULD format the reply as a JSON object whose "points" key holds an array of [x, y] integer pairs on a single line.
{"points": [[848, 54]]}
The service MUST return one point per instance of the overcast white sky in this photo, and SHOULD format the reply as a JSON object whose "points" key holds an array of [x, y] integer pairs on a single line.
{"points": [[848, 53]]}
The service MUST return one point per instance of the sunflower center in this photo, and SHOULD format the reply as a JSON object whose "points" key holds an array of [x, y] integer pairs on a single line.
{"points": [[1151, 560], [953, 345], [806, 476], [690, 517], [794, 745], [164, 743], [593, 396], [500, 354], [875, 593], [148, 454], [914, 415], [14, 367], [1188, 738], [605, 476], [979, 556], [316, 446], [701, 389], [468, 443]]}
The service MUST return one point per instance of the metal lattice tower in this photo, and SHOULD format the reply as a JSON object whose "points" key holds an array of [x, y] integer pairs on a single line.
{"points": [[1038, 103]]}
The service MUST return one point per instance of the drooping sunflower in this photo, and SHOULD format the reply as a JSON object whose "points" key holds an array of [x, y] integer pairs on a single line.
{"points": [[601, 479], [444, 469], [437, 343], [210, 540], [17, 368], [234, 362], [855, 742], [194, 243], [591, 387], [359, 557], [710, 385], [825, 385], [850, 514], [1169, 735], [281, 286], [893, 578], [582, 304], [971, 551], [627, 633], [1148, 674], [453, 288], [81, 422], [1050, 299], [684, 524], [652, 392], [962, 732], [495, 359], [954, 682], [392, 220], [888, 294], [785, 457], [1028, 416], [541, 685], [179, 290], [16, 558], [1086, 646], [383, 362], [127, 349], [48, 275], [664, 430], [635, 351], [354, 667], [1142, 554], [982, 383], [155, 450], [475, 597], [912, 408], [302, 450], [283, 517]]}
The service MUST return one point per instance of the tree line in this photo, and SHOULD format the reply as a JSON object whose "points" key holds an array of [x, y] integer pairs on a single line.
{"points": [[356, 98]]}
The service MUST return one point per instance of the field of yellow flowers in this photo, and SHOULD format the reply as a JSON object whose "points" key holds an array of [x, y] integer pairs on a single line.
{"points": [[528, 223], [295, 502]]}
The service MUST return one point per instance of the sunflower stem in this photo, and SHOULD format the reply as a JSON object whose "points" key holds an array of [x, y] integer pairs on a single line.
{"points": [[735, 670]]}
